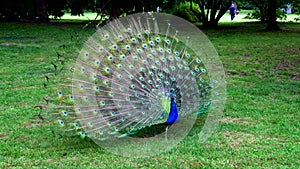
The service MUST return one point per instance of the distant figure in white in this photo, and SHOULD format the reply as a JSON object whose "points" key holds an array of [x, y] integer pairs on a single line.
{"points": [[158, 9]]}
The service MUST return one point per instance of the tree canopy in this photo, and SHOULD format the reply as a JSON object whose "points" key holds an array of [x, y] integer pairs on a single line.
{"points": [[208, 12]]}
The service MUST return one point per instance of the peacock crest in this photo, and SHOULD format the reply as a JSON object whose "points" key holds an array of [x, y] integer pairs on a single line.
{"points": [[137, 72]]}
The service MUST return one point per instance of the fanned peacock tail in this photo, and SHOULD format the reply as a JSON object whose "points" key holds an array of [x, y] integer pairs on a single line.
{"points": [[128, 72]]}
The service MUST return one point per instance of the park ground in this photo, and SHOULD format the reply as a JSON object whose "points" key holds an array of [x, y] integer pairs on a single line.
{"points": [[260, 127]]}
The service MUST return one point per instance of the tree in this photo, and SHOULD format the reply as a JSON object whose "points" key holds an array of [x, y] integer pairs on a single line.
{"points": [[212, 11], [272, 17], [41, 11]]}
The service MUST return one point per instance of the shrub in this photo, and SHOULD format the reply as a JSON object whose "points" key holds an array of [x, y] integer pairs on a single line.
{"points": [[183, 10]]}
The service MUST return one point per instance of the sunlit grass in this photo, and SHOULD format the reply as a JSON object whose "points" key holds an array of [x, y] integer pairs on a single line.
{"points": [[226, 18]]}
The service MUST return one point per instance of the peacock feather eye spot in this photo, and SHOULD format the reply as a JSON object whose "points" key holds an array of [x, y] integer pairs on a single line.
{"points": [[131, 77], [203, 70], [133, 40], [90, 124], [60, 122], [120, 76], [142, 79], [128, 47], [102, 103], [139, 50], [153, 52], [145, 46], [110, 58], [101, 49], [131, 67], [150, 56], [161, 50], [82, 134], [120, 37], [151, 74], [176, 53], [135, 58], [157, 39], [168, 41], [105, 82], [154, 68], [139, 35], [147, 32], [119, 66], [132, 86], [100, 132], [129, 30], [64, 113], [106, 36], [86, 54], [151, 43], [78, 110], [115, 47], [187, 55]]}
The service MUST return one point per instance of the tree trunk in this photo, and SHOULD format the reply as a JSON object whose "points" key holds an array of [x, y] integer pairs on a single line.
{"points": [[41, 11], [16, 11], [272, 7], [215, 10]]}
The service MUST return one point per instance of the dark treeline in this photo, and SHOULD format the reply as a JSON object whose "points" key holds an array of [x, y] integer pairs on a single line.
{"points": [[206, 11]]}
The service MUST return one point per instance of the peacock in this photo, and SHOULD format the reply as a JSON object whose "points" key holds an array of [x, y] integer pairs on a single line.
{"points": [[143, 72]]}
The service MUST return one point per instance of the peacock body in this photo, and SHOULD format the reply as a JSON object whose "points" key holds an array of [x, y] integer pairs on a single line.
{"points": [[137, 72]]}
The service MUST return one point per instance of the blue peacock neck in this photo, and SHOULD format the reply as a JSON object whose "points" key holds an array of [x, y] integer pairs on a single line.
{"points": [[173, 115]]}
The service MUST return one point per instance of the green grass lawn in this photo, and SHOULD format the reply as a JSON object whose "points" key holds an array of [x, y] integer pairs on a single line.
{"points": [[260, 128]]}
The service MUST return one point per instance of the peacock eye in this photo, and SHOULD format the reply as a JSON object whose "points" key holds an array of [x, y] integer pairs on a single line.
{"points": [[133, 40], [157, 39]]}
